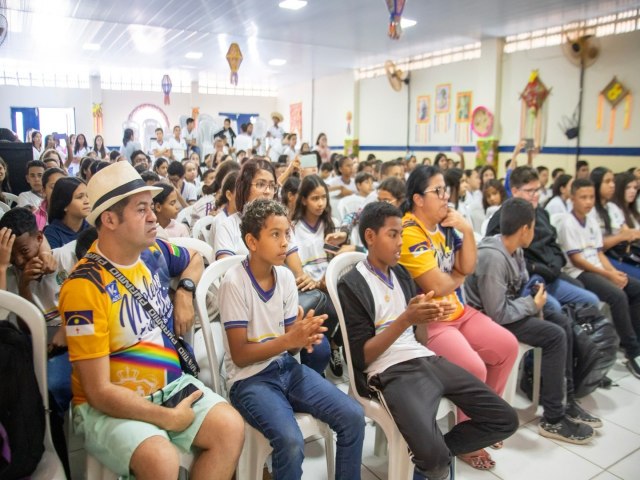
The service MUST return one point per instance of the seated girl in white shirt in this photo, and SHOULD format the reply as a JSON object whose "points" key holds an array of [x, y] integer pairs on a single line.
{"points": [[560, 201]]}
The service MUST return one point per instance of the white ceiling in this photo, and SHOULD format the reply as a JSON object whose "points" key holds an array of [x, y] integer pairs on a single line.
{"points": [[325, 37]]}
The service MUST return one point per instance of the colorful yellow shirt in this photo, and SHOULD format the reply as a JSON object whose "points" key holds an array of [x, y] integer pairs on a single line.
{"points": [[101, 319], [423, 251]]}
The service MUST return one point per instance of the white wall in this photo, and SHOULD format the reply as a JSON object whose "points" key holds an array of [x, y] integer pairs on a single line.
{"points": [[334, 96]]}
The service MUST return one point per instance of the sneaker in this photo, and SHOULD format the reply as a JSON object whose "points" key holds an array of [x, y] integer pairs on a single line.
{"points": [[566, 431], [633, 364], [606, 383], [577, 414], [335, 362]]}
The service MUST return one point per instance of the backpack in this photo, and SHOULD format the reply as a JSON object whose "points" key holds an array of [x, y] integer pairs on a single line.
{"points": [[595, 344], [21, 409]]}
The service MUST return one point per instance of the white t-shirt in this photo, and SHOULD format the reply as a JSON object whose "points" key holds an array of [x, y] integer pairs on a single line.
{"points": [[30, 200], [37, 153], [228, 239], [615, 215], [276, 149], [243, 142], [188, 136], [178, 147], [276, 132], [203, 207], [576, 237], [166, 145], [338, 181], [81, 153], [312, 255], [264, 314], [389, 303], [189, 191], [557, 205]]}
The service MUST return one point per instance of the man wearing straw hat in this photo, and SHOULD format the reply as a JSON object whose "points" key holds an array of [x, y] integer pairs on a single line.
{"points": [[132, 402], [276, 131]]}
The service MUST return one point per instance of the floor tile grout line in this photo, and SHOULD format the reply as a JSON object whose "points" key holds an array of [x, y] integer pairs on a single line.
{"points": [[623, 458]]}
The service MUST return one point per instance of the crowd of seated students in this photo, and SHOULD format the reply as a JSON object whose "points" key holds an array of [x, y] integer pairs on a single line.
{"points": [[414, 335]]}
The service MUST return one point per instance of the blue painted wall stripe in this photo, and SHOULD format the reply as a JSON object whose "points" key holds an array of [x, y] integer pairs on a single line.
{"points": [[603, 151]]}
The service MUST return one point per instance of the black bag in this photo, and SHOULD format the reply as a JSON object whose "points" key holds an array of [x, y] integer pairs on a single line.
{"points": [[595, 344], [21, 407]]}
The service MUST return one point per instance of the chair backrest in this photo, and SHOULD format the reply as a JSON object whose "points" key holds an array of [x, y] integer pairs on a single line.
{"points": [[4, 207], [11, 198], [339, 266], [200, 230], [184, 215], [201, 247], [212, 331]]}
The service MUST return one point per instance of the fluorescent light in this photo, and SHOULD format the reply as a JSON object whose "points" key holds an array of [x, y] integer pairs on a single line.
{"points": [[407, 22], [193, 55], [293, 4], [91, 46], [277, 62]]}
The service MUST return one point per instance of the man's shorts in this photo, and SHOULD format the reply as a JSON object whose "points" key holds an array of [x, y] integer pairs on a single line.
{"points": [[112, 441]]}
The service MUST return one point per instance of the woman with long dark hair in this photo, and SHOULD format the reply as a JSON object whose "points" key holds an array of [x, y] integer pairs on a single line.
{"points": [[36, 144], [129, 144], [626, 198], [99, 148], [438, 259], [616, 234], [68, 208], [560, 201]]}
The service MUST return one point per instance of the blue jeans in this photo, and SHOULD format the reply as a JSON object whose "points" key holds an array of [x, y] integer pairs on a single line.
{"points": [[630, 270], [59, 383], [268, 400], [318, 360], [560, 292]]}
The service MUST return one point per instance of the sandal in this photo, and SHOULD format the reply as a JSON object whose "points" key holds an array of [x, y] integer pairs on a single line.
{"points": [[497, 445], [480, 460]]}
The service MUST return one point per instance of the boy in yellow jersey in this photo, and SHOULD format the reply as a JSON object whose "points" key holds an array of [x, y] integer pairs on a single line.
{"points": [[124, 366]]}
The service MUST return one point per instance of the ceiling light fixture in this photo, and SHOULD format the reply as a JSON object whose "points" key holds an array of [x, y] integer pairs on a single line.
{"points": [[407, 22], [193, 55], [293, 4], [91, 46], [277, 62]]}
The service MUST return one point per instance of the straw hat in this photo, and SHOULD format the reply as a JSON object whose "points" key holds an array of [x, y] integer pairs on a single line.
{"points": [[277, 115], [113, 183]]}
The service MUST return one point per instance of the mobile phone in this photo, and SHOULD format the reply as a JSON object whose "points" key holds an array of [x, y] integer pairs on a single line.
{"points": [[331, 248], [308, 160], [180, 395], [59, 136], [456, 149], [529, 144], [535, 288]]}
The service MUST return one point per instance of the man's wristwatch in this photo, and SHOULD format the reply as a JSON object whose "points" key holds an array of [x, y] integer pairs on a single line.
{"points": [[188, 285]]}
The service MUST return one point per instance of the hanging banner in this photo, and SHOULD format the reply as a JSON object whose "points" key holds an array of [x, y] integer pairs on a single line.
{"points": [[463, 117], [295, 119], [614, 93], [423, 119], [443, 108], [533, 98]]}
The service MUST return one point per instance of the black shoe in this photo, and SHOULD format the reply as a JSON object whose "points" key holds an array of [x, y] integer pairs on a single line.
{"points": [[577, 414], [605, 383], [566, 431], [633, 364], [335, 362]]}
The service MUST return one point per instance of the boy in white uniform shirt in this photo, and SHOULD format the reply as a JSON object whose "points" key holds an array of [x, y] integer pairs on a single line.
{"points": [[264, 327], [32, 198], [381, 309], [160, 147], [580, 237], [178, 145]]}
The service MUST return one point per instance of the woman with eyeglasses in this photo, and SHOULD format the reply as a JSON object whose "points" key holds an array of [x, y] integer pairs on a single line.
{"points": [[257, 180], [438, 259]]}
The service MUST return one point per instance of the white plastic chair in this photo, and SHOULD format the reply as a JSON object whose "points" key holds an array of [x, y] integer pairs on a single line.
{"points": [[11, 199], [202, 229], [201, 247], [400, 465], [4, 207], [509, 394], [256, 446], [50, 467], [184, 215]]}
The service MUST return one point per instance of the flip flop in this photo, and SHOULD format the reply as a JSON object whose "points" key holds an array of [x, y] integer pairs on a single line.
{"points": [[480, 460]]}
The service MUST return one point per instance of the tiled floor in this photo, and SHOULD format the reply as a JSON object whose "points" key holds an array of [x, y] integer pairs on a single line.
{"points": [[613, 454]]}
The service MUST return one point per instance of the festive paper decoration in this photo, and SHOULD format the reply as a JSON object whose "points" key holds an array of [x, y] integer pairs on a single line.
{"points": [[295, 118], [423, 119], [166, 88], [463, 117], [533, 98], [614, 93], [351, 146], [349, 118], [443, 108], [234, 58], [482, 121], [96, 113], [395, 7], [487, 151]]}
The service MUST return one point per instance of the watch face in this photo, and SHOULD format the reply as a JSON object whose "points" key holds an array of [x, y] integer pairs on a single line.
{"points": [[187, 284]]}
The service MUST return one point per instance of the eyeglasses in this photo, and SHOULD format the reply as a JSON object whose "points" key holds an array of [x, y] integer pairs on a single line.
{"points": [[441, 192], [531, 192], [263, 186]]}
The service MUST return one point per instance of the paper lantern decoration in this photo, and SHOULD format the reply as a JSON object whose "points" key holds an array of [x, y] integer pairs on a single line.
{"points": [[395, 7], [96, 113], [614, 93], [166, 88], [234, 57], [533, 98]]}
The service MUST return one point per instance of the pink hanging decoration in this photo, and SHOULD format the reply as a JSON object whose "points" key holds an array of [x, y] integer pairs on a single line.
{"points": [[395, 7], [166, 88]]}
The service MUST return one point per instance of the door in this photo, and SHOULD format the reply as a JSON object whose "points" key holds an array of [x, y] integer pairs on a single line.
{"points": [[24, 120]]}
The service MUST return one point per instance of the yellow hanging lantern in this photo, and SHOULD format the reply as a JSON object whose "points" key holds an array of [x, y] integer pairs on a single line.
{"points": [[234, 57], [614, 93]]}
